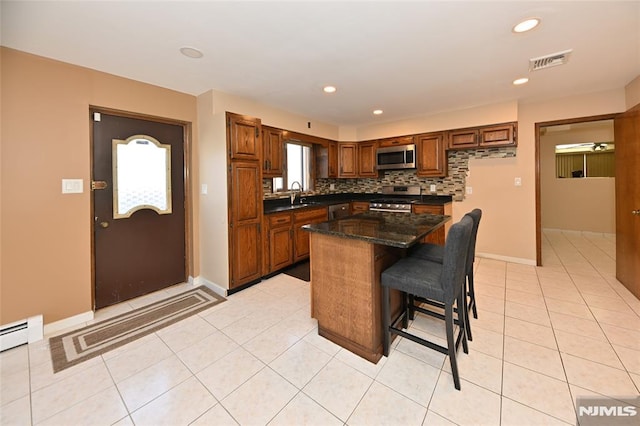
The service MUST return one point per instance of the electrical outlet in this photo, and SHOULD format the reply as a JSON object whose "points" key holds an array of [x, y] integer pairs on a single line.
{"points": [[469, 190], [517, 181], [432, 188], [204, 189], [332, 186]]}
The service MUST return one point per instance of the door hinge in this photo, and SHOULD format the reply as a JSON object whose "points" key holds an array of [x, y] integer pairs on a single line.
{"points": [[230, 224], [257, 132], [229, 167], [228, 121]]}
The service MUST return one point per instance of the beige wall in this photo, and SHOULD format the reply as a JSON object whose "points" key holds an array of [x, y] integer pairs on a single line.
{"points": [[46, 235], [575, 204]]}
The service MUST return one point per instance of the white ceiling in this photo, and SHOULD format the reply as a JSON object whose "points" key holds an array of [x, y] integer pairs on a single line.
{"points": [[407, 58]]}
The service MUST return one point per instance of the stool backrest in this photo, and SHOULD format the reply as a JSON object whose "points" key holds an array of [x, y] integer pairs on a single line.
{"points": [[476, 215], [454, 262]]}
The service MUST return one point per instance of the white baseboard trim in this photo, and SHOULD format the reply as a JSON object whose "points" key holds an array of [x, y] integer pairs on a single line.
{"points": [[213, 286], [74, 321], [519, 260], [576, 232]]}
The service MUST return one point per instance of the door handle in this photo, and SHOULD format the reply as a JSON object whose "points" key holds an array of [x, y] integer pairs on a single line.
{"points": [[636, 212]]}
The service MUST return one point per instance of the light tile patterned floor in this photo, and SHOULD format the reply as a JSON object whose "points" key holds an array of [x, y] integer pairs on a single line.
{"points": [[543, 337]]}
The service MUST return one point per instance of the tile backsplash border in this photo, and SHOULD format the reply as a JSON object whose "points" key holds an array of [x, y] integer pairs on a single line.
{"points": [[454, 184]]}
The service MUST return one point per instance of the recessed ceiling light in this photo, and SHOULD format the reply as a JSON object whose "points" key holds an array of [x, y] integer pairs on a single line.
{"points": [[191, 52], [377, 111], [329, 89], [520, 81], [526, 25]]}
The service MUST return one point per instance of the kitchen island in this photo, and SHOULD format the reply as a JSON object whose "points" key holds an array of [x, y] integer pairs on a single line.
{"points": [[347, 257]]}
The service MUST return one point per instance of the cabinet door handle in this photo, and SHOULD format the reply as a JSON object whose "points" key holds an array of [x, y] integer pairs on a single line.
{"points": [[636, 212]]}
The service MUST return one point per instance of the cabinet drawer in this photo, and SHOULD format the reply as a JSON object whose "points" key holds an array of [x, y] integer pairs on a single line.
{"points": [[422, 208], [359, 206], [310, 214], [278, 220]]}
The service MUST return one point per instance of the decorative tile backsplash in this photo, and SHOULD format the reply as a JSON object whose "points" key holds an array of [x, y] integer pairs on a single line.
{"points": [[453, 184]]}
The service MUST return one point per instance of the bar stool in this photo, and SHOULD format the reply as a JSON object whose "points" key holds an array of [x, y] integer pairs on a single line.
{"points": [[440, 282], [435, 253]]}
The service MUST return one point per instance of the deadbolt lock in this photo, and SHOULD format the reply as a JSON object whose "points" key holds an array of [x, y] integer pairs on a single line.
{"points": [[98, 184], [104, 224]]}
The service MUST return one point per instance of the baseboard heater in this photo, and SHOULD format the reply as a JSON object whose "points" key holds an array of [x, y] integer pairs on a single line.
{"points": [[21, 332]]}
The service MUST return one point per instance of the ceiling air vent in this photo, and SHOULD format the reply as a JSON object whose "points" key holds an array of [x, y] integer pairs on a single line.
{"points": [[549, 61]]}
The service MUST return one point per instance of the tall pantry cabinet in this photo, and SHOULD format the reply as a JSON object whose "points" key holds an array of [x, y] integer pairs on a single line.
{"points": [[244, 189]]}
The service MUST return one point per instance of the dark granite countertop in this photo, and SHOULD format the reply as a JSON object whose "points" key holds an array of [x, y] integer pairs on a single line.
{"points": [[284, 204], [390, 229]]}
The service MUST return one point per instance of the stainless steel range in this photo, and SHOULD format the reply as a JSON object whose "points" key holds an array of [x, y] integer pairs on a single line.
{"points": [[395, 199]]}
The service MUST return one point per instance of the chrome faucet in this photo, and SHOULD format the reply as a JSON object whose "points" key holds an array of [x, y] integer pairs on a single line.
{"points": [[293, 194]]}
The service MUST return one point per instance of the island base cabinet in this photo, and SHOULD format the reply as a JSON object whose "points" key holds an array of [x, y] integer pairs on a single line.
{"points": [[346, 292]]}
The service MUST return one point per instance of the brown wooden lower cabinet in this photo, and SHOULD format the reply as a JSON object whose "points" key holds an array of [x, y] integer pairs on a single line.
{"points": [[439, 236], [359, 207], [286, 242]]}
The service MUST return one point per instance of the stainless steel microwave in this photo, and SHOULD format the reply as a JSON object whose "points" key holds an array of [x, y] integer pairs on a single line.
{"points": [[396, 157]]}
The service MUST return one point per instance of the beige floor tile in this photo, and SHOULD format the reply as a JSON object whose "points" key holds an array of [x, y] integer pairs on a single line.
{"points": [[575, 325], [530, 332], [229, 313], [361, 364], [596, 377], [569, 294], [342, 400], [207, 351], [620, 319], [478, 368], [490, 304], [472, 405], [486, 341], [302, 410], [228, 373], [537, 315], [610, 303], [516, 414], [433, 419], [630, 358], [382, 405], [534, 357], [300, 363], [259, 399], [65, 393], [128, 363], [622, 336], [420, 352], [525, 298], [217, 416], [579, 310], [247, 328], [178, 406], [15, 359], [298, 323], [42, 374], [14, 386], [591, 349], [16, 412], [489, 321], [269, 345], [410, 377], [325, 345], [103, 408], [148, 384], [489, 290], [531, 287], [538, 391], [186, 333]]}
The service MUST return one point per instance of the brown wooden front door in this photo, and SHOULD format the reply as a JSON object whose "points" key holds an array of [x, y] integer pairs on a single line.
{"points": [[138, 235], [627, 139]]}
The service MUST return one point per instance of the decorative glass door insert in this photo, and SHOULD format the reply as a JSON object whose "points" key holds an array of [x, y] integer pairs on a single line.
{"points": [[141, 176]]}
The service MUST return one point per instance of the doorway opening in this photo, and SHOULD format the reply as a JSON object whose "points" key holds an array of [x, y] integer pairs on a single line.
{"points": [[566, 197]]}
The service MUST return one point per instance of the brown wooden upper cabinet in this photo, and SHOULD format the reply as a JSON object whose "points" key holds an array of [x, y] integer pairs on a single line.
{"points": [[367, 159], [401, 140], [348, 159], [272, 147], [333, 159], [244, 135], [431, 154], [498, 135]]}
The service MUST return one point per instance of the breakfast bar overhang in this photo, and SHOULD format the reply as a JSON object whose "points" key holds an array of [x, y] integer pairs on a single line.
{"points": [[347, 257]]}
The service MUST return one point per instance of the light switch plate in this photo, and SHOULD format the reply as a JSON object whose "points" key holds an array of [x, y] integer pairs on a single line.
{"points": [[517, 181], [204, 189], [72, 186], [469, 190], [432, 188]]}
